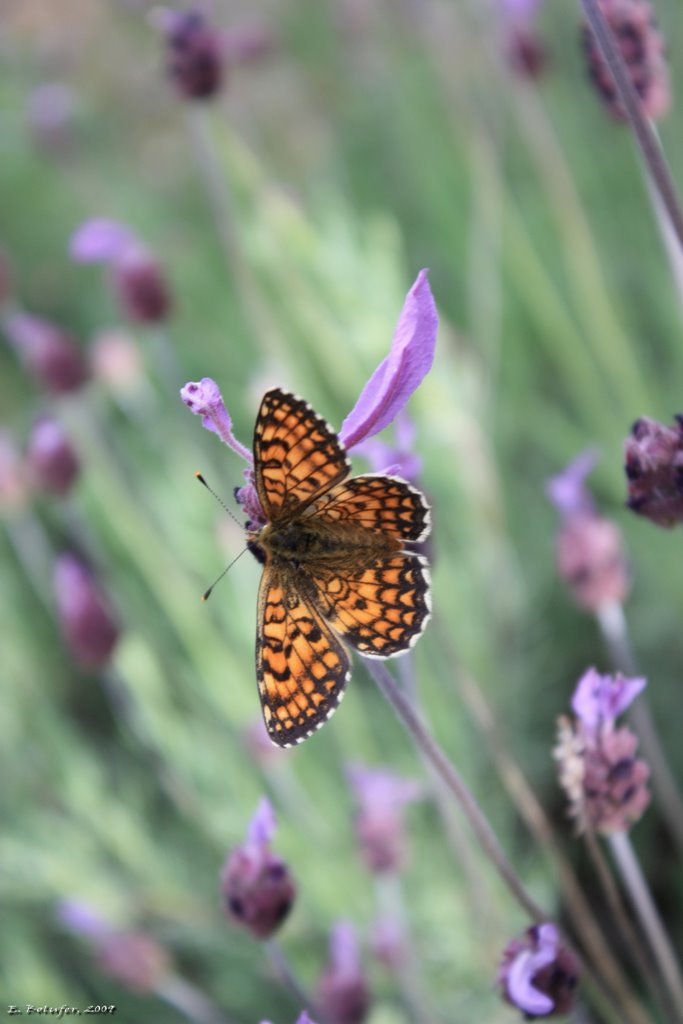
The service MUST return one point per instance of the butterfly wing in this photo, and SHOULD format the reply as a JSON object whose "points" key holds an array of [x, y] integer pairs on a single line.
{"points": [[382, 504], [301, 666], [297, 456], [380, 608]]}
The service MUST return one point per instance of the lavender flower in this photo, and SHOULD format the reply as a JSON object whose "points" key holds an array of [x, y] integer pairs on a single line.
{"points": [[343, 992], [643, 49], [137, 279], [396, 378], [589, 552], [51, 458], [538, 975], [598, 770], [133, 959], [196, 57], [48, 353], [654, 470], [523, 49], [256, 885], [88, 625], [380, 829], [397, 459], [382, 399]]}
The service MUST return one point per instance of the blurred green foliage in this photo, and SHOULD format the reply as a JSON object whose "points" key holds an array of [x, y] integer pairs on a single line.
{"points": [[374, 140]]}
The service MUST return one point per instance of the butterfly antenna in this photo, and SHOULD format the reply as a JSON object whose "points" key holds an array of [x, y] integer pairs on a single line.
{"points": [[220, 501], [207, 593]]}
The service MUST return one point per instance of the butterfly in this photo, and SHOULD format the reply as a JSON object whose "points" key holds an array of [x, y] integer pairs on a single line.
{"points": [[335, 568]]}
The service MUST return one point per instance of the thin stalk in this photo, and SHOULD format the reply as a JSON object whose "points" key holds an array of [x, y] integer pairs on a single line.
{"points": [[286, 974], [188, 1000], [411, 985], [638, 956], [614, 629], [426, 743], [642, 128], [264, 334], [641, 898]]}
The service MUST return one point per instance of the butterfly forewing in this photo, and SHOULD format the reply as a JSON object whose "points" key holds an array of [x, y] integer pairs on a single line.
{"points": [[297, 457]]}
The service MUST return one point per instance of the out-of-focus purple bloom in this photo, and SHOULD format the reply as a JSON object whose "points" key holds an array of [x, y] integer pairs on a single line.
{"points": [[524, 10], [196, 54], [654, 471], [116, 362], [257, 888], [51, 458], [398, 459], [643, 50], [137, 279], [48, 353], [343, 993], [86, 620], [379, 821], [538, 975], [524, 51], [567, 490], [51, 116], [389, 944], [598, 699], [589, 552], [598, 770], [134, 959], [397, 377], [81, 918]]}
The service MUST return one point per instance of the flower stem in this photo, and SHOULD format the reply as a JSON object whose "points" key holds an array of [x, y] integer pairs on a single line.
{"points": [[645, 135], [637, 887], [614, 628], [189, 1001], [286, 975], [453, 781]]}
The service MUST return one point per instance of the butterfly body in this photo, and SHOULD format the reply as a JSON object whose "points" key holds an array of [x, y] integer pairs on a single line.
{"points": [[336, 568]]}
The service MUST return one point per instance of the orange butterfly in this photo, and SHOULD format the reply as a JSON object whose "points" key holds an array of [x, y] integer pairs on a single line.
{"points": [[334, 566]]}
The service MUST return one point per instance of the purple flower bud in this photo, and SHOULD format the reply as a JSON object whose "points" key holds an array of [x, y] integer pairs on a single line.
{"points": [[87, 623], [343, 993], [589, 553], [256, 886], [538, 975], [196, 57], [389, 944], [133, 959], [117, 363], [380, 827], [51, 457], [204, 399], [51, 117], [567, 490], [644, 52], [138, 281], [397, 377], [525, 53], [598, 770], [654, 470], [598, 700], [48, 353]]}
